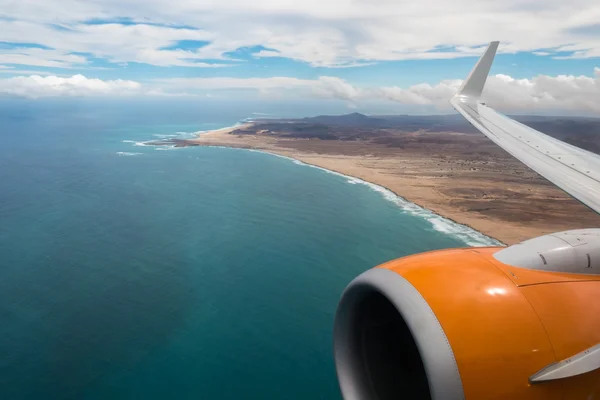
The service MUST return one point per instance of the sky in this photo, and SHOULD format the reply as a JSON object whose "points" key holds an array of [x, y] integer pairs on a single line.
{"points": [[358, 52]]}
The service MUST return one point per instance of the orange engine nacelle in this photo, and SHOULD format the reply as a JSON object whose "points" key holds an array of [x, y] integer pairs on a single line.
{"points": [[455, 324]]}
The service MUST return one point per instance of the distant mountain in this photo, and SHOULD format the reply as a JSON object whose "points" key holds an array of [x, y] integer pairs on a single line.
{"points": [[583, 132], [354, 119], [432, 123], [578, 131], [409, 123]]}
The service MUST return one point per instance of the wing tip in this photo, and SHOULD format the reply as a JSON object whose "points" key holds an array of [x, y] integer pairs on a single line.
{"points": [[473, 85]]}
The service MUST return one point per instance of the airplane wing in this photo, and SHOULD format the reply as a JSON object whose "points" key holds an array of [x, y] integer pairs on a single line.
{"points": [[574, 170]]}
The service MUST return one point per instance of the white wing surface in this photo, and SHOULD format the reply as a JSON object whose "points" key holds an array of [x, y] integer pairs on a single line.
{"points": [[574, 170]]}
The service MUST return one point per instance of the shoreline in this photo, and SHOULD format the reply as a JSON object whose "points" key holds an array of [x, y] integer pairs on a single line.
{"points": [[402, 199], [474, 237], [227, 129], [456, 181]]}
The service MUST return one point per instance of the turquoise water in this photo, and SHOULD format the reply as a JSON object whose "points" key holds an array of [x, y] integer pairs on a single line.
{"points": [[197, 273]]}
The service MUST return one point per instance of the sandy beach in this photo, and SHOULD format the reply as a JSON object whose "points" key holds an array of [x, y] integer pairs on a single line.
{"points": [[463, 177]]}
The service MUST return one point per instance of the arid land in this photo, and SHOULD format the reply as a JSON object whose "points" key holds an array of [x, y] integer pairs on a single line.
{"points": [[438, 163]]}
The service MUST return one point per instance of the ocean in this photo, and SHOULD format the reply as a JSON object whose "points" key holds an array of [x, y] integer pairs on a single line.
{"points": [[130, 271]]}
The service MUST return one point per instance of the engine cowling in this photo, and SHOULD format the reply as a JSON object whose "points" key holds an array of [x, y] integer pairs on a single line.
{"points": [[456, 324]]}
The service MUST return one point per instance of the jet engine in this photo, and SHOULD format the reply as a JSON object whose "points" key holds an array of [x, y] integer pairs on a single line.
{"points": [[521, 322]]}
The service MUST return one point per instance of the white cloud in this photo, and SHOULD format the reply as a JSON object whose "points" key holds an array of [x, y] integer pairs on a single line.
{"points": [[578, 94], [421, 94], [12, 71], [336, 33], [541, 93], [35, 86], [40, 58], [322, 87], [563, 92], [115, 42]]}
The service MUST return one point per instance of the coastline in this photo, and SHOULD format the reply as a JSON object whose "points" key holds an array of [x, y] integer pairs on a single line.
{"points": [[225, 130], [448, 188], [466, 233]]}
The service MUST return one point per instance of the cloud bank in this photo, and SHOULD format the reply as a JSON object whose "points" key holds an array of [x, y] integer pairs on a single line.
{"points": [[36, 86], [541, 93], [331, 34]]}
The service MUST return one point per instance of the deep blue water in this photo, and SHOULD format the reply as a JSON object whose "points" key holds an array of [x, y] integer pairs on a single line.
{"points": [[200, 273]]}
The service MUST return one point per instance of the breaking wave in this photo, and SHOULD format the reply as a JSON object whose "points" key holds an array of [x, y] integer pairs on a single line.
{"points": [[127, 153], [137, 144], [237, 124], [177, 135]]}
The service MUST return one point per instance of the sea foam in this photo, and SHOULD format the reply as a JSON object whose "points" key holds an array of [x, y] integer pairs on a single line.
{"points": [[176, 135], [236, 125], [137, 144]]}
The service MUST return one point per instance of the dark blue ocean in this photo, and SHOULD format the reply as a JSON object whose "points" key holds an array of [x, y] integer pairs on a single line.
{"points": [[133, 272]]}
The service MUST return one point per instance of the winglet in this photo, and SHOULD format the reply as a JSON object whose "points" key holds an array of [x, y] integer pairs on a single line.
{"points": [[473, 85]]}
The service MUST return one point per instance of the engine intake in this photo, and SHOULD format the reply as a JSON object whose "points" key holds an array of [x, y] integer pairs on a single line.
{"points": [[388, 343], [458, 323]]}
